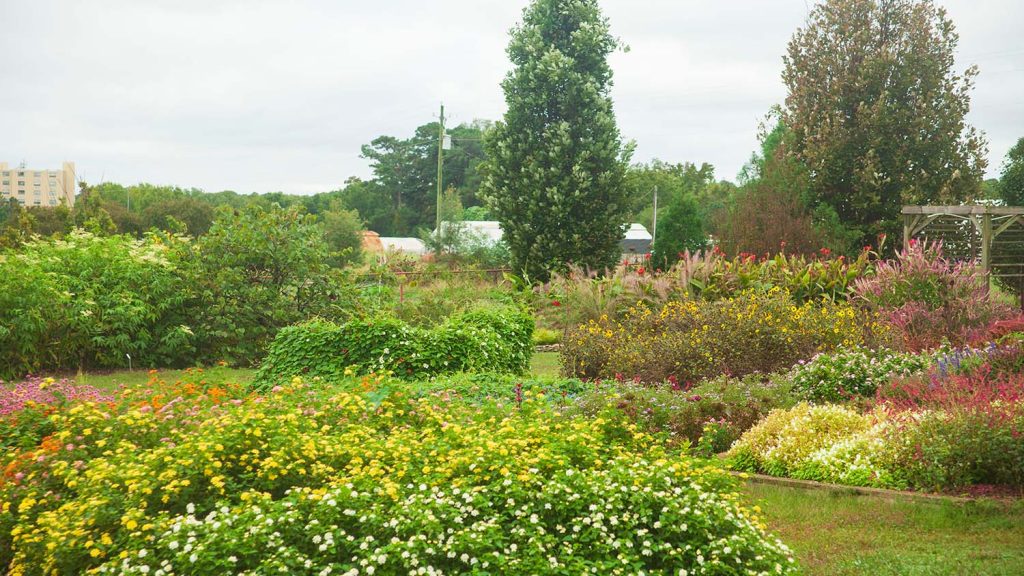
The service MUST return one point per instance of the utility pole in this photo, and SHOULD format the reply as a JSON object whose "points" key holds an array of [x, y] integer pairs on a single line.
{"points": [[654, 227], [440, 168]]}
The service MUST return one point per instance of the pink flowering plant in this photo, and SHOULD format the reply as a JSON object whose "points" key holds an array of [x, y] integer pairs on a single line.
{"points": [[929, 299]]}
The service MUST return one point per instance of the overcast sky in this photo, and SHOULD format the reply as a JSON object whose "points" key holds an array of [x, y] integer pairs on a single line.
{"points": [[258, 96]]}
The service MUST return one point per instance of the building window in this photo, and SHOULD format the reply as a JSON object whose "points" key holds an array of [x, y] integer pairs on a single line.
{"points": [[21, 182]]}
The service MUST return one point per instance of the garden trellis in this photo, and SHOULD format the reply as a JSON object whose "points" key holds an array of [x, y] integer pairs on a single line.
{"points": [[991, 236]]}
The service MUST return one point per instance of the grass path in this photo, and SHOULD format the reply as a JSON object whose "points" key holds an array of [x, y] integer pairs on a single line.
{"points": [[845, 534], [543, 364], [115, 379]]}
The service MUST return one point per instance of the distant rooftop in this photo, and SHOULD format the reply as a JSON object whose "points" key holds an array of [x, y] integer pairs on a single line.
{"points": [[637, 232], [486, 229], [407, 245]]}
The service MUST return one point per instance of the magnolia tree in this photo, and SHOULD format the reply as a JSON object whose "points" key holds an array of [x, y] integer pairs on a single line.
{"points": [[877, 111], [556, 163]]}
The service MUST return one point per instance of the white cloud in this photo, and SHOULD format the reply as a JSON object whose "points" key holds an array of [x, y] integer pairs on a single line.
{"points": [[261, 95]]}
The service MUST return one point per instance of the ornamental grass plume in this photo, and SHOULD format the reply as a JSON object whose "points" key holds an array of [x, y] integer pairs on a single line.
{"points": [[929, 299]]}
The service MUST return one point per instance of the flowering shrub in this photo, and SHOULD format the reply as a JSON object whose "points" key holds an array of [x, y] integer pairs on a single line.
{"points": [[846, 373], [941, 431], [49, 391], [781, 443], [928, 299], [354, 479], [485, 340], [25, 408], [959, 429], [702, 275], [691, 340], [681, 413], [861, 459]]}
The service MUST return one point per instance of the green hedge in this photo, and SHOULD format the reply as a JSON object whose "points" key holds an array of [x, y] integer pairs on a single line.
{"points": [[485, 340]]}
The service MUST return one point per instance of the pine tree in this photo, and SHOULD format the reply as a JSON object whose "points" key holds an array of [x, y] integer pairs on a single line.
{"points": [[556, 164]]}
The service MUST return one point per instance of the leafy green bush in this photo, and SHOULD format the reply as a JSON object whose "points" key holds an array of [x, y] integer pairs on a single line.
{"points": [[940, 449], [504, 389], [256, 271], [87, 301], [546, 336], [484, 340], [850, 372], [692, 340]]}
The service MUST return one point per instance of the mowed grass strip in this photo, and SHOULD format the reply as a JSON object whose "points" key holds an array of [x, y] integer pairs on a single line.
{"points": [[130, 378], [545, 364], [845, 534]]}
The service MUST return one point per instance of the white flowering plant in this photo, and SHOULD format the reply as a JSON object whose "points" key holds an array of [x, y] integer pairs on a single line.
{"points": [[852, 372]]}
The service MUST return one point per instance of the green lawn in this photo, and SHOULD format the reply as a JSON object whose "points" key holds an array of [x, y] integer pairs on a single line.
{"points": [[214, 375], [545, 364], [846, 534]]}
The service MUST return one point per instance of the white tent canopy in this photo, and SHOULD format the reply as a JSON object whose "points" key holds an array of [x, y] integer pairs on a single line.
{"points": [[413, 246]]}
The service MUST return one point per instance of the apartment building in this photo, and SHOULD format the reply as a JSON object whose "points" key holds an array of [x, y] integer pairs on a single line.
{"points": [[38, 187]]}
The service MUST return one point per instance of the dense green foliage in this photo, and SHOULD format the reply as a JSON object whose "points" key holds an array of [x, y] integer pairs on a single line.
{"points": [[1011, 182], [680, 231], [556, 164], [88, 301], [402, 197], [343, 232], [485, 340], [259, 270], [877, 111]]}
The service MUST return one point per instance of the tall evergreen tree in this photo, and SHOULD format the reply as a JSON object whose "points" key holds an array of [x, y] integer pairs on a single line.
{"points": [[556, 163]]}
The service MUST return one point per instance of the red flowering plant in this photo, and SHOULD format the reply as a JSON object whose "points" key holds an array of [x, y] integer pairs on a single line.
{"points": [[953, 429]]}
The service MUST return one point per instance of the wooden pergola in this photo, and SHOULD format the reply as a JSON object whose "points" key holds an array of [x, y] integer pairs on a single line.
{"points": [[991, 236]]}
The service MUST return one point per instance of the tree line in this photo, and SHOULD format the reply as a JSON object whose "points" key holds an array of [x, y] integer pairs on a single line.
{"points": [[874, 118]]}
